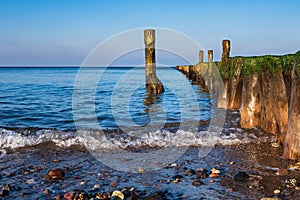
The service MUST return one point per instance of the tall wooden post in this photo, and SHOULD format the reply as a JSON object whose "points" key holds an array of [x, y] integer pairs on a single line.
{"points": [[153, 84], [210, 55], [201, 53], [226, 50]]}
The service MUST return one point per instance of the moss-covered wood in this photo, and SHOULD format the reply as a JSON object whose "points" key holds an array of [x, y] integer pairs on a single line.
{"points": [[292, 140], [265, 88]]}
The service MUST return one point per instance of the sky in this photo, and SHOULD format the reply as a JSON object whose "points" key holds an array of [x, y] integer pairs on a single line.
{"points": [[63, 32]]}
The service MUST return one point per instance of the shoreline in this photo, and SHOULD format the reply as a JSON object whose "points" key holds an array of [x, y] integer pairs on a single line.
{"points": [[24, 170]]}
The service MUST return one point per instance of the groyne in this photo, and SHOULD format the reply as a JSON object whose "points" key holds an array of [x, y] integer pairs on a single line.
{"points": [[266, 90]]}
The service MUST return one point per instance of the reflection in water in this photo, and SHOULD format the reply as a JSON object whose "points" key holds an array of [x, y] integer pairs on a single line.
{"points": [[151, 99]]}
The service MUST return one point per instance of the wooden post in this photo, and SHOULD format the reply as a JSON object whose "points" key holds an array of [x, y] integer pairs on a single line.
{"points": [[226, 50], [201, 53], [153, 84], [210, 55], [292, 140]]}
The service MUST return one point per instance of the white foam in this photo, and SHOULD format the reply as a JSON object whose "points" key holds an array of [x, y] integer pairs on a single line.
{"points": [[97, 139]]}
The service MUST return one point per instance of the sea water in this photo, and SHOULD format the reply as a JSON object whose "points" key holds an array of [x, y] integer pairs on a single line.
{"points": [[37, 105]]}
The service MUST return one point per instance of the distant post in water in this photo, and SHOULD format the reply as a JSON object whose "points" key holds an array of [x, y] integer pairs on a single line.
{"points": [[226, 50], [153, 84], [210, 55], [201, 53]]}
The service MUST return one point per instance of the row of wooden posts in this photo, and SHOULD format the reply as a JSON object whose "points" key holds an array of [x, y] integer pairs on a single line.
{"points": [[266, 89]]}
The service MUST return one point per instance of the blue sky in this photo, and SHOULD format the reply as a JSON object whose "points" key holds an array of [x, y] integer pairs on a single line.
{"points": [[63, 32]]}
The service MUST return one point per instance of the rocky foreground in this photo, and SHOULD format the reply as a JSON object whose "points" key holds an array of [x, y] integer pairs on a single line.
{"points": [[248, 171]]}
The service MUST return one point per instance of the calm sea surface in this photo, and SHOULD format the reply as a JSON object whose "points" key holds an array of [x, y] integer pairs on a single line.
{"points": [[44, 97]]}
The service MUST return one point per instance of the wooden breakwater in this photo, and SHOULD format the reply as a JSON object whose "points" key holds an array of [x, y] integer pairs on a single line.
{"points": [[266, 89]]}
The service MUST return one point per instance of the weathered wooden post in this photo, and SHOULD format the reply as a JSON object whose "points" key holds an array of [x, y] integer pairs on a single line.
{"points": [[210, 55], [153, 84], [292, 140], [201, 53], [226, 50]]}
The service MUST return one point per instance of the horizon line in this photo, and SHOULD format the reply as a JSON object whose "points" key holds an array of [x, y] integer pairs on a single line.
{"points": [[82, 66]]}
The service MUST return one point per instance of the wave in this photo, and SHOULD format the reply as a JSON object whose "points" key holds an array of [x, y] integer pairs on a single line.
{"points": [[116, 139]]}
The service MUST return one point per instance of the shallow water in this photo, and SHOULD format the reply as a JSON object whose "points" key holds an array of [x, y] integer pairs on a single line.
{"points": [[42, 98]]}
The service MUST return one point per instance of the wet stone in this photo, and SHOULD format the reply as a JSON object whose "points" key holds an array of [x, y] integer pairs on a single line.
{"points": [[241, 176], [292, 183], [54, 174], [47, 191], [295, 166], [117, 195], [102, 196], [189, 172], [214, 175], [277, 191], [201, 174], [282, 172], [197, 183], [69, 195], [5, 190], [81, 195]]}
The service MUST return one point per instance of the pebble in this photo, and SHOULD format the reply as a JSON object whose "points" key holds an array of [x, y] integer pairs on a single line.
{"points": [[5, 190], [275, 144], [47, 191], [213, 175], [114, 184], [96, 186], [102, 196], [230, 190], [69, 195], [270, 198], [117, 195], [141, 170], [201, 174], [295, 166], [215, 171], [197, 183], [56, 197], [291, 183], [82, 195], [176, 180], [30, 181], [241, 176], [276, 192], [282, 172], [56, 173], [189, 172]]}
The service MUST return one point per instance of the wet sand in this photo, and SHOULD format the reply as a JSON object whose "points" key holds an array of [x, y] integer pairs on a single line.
{"points": [[25, 169]]}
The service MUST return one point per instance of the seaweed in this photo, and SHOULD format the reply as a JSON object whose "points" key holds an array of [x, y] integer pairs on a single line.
{"points": [[258, 64], [297, 64], [287, 62]]}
